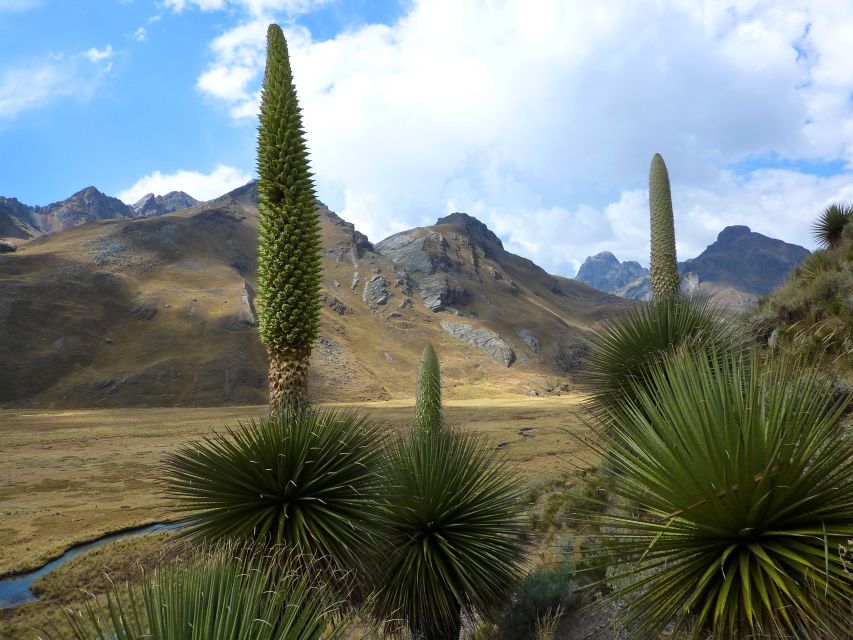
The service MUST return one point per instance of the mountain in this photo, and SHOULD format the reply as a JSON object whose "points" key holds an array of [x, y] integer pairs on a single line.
{"points": [[22, 221], [151, 205], [160, 311], [737, 269], [16, 220], [604, 271], [747, 261]]}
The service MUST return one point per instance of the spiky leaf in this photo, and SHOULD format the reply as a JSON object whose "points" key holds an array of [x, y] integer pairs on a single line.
{"points": [[222, 593]]}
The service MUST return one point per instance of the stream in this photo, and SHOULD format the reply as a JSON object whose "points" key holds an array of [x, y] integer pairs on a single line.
{"points": [[16, 589]]}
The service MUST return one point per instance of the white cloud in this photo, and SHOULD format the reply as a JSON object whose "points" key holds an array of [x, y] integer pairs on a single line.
{"points": [[542, 120], [97, 55], [33, 84], [140, 35], [202, 186], [18, 5], [254, 7]]}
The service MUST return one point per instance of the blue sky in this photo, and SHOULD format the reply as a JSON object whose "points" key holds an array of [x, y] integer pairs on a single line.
{"points": [[133, 107], [539, 117]]}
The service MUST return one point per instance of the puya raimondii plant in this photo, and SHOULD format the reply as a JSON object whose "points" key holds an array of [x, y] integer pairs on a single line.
{"points": [[455, 536], [665, 281], [289, 258], [736, 486]]}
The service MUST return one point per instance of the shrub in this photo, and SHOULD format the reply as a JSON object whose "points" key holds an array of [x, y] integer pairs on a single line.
{"points": [[815, 264], [826, 286], [545, 590], [739, 484]]}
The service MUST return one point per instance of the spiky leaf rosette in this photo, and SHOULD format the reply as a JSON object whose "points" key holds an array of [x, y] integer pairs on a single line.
{"points": [[428, 412], [665, 281], [829, 227], [307, 479], [739, 491], [457, 538], [223, 593], [624, 349], [289, 258]]}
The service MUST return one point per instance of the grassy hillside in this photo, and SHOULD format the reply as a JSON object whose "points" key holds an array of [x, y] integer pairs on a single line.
{"points": [[812, 313], [159, 312]]}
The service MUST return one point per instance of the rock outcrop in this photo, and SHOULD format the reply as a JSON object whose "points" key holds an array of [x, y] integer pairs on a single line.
{"points": [[7, 247], [376, 292], [530, 339], [438, 292], [483, 339]]}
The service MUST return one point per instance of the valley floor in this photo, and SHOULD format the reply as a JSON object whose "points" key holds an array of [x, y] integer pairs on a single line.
{"points": [[71, 476]]}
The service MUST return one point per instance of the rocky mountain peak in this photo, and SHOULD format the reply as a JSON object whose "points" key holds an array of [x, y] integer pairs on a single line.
{"points": [[472, 227], [733, 233], [603, 271], [151, 205]]}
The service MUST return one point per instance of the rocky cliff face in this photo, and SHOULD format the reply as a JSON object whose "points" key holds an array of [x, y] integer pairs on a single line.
{"points": [[737, 268]]}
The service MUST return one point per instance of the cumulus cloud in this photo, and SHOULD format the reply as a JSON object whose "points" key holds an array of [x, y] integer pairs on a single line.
{"points": [[140, 35], [202, 186], [95, 55], [543, 121]]}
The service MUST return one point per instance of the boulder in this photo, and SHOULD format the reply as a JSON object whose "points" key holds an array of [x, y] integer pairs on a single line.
{"points": [[7, 247], [483, 339], [144, 311]]}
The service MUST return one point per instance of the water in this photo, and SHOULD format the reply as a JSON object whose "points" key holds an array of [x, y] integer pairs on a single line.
{"points": [[16, 589]]}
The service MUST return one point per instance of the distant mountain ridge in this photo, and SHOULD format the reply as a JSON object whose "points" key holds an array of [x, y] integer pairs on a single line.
{"points": [[151, 205], [18, 220], [739, 267]]}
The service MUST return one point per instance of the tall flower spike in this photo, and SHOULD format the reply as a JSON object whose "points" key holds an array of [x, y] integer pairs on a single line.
{"points": [[289, 258], [666, 284]]}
